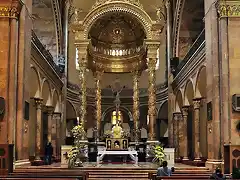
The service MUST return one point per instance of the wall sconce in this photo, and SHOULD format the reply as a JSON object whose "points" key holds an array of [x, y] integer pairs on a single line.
{"points": [[210, 130]]}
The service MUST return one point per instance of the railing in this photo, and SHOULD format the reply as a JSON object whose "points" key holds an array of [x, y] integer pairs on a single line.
{"points": [[47, 55], [200, 39], [108, 91]]}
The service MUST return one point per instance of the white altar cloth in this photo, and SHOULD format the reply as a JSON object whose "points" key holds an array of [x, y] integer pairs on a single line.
{"points": [[133, 154]]}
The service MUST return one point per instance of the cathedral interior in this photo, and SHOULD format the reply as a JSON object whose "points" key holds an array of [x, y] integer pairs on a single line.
{"points": [[166, 71]]}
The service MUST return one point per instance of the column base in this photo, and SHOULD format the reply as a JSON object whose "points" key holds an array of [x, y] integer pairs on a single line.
{"points": [[197, 160], [185, 159], [212, 164]]}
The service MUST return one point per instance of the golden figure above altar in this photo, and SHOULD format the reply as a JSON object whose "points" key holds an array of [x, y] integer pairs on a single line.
{"points": [[117, 131]]}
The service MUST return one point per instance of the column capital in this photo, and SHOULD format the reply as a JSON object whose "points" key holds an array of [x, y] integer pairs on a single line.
{"points": [[98, 74], [177, 116], [196, 103], [185, 111], [167, 4], [228, 8], [136, 73], [57, 115], [38, 103], [10, 8], [152, 47], [50, 110]]}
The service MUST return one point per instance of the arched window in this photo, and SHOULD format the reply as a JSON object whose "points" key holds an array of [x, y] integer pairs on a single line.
{"points": [[114, 117]]}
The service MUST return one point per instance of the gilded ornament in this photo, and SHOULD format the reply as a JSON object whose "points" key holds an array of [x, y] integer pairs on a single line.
{"points": [[228, 8], [12, 11]]}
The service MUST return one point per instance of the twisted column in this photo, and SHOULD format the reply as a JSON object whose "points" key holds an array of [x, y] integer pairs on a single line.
{"points": [[136, 75], [196, 106], [98, 78], [177, 116], [38, 103], [184, 132], [152, 97], [82, 61]]}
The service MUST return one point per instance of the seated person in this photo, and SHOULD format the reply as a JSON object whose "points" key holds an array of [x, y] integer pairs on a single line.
{"points": [[217, 175], [164, 170]]}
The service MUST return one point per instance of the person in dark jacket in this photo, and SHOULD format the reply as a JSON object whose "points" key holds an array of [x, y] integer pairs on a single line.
{"points": [[48, 153], [217, 175]]}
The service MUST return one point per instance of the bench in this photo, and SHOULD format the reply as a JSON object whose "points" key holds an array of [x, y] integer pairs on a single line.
{"points": [[154, 176]]}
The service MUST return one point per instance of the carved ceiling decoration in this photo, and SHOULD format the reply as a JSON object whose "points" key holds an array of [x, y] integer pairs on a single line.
{"points": [[117, 29], [190, 18], [47, 24]]}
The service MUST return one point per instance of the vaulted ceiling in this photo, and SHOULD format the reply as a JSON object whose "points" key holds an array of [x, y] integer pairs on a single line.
{"points": [[191, 25], [44, 24]]}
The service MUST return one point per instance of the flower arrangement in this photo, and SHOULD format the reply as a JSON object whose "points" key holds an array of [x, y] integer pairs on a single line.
{"points": [[159, 154], [78, 153], [79, 132]]}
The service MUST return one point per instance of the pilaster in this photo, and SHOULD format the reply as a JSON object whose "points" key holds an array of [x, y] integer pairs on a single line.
{"points": [[9, 15]]}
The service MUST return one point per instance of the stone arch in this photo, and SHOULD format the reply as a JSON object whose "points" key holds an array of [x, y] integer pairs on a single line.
{"points": [[46, 93], [124, 7], [188, 93], [187, 28], [111, 108], [47, 24], [178, 101], [162, 123], [200, 89], [71, 121], [55, 101], [35, 83]]}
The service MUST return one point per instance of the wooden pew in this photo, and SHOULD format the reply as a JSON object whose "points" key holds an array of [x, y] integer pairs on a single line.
{"points": [[154, 176]]}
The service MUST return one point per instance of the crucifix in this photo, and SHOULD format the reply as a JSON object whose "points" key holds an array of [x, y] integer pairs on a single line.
{"points": [[117, 89]]}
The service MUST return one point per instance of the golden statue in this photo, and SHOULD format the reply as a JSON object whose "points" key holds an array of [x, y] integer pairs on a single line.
{"points": [[117, 131]]}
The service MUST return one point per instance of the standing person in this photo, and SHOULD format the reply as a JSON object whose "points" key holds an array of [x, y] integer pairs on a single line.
{"points": [[48, 153], [164, 170]]}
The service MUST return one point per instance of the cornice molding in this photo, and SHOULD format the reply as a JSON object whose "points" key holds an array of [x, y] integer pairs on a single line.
{"points": [[10, 8], [228, 8]]}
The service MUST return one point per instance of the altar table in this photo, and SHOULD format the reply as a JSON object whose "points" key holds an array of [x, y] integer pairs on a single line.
{"points": [[132, 154]]}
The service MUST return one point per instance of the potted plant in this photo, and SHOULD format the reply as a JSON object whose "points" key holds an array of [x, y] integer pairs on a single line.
{"points": [[236, 173], [159, 154]]}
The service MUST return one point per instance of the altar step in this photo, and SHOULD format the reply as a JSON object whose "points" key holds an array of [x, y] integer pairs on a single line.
{"points": [[117, 175]]}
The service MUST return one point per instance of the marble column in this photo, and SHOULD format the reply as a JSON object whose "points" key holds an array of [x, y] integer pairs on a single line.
{"points": [[177, 117], [184, 132], [38, 103], [98, 77], [57, 119], [54, 134], [83, 62], [136, 104], [49, 113], [196, 106]]}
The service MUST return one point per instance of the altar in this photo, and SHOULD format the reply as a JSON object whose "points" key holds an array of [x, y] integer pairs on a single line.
{"points": [[132, 153]]}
